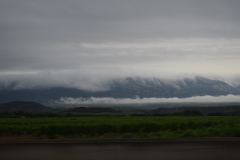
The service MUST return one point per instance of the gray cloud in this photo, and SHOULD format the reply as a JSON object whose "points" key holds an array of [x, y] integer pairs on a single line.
{"points": [[94, 40]]}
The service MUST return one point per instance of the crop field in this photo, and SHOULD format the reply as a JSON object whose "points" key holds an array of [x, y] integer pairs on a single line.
{"points": [[119, 127]]}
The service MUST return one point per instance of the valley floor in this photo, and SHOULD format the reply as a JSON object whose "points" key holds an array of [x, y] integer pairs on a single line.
{"points": [[119, 127]]}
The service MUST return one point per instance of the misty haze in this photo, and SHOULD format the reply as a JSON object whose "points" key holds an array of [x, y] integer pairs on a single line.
{"points": [[118, 70]]}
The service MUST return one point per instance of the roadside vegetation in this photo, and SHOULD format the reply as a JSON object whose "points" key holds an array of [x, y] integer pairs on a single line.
{"points": [[118, 127]]}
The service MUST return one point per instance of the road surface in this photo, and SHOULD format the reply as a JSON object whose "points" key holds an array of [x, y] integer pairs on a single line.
{"points": [[171, 149]]}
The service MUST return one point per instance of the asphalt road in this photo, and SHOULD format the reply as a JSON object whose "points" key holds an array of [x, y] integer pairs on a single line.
{"points": [[173, 149]]}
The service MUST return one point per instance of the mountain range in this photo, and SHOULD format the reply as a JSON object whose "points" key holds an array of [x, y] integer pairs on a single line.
{"points": [[127, 88], [21, 106], [37, 108]]}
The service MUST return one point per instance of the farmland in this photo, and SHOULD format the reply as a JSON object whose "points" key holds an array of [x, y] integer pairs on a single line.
{"points": [[117, 127]]}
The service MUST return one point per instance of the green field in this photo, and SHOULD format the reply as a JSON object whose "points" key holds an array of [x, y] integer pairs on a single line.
{"points": [[120, 127]]}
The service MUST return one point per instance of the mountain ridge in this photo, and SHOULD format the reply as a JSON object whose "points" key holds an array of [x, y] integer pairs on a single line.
{"points": [[129, 87], [22, 106]]}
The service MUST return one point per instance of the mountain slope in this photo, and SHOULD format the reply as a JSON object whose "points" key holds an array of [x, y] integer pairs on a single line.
{"points": [[91, 110], [227, 110], [158, 88], [30, 107], [128, 88]]}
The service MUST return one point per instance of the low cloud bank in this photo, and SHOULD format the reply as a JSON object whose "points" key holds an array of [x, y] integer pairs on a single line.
{"points": [[97, 81], [109, 100]]}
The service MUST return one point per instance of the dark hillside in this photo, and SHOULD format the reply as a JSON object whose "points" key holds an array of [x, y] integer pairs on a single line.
{"points": [[92, 110], [21, 106], [226, 110], [127, 88]]}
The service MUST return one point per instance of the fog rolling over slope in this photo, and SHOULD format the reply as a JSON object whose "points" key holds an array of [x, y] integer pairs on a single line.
{"points": [[131, 90]]}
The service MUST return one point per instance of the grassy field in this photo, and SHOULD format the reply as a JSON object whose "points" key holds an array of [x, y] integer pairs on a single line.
{"points": [[120, 127]]}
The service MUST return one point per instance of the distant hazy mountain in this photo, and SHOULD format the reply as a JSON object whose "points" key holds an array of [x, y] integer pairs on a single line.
{"points": [[30, 107], [91, 110], [226, 110], [128, 88], [199, 86]]}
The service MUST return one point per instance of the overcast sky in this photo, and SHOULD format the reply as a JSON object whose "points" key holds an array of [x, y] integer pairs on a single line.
{"points": [[65, 42]]}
